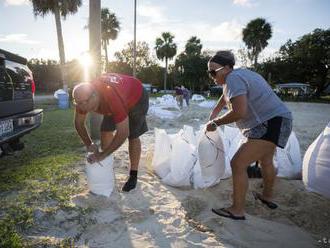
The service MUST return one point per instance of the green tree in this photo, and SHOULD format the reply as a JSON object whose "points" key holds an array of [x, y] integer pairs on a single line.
{"points": [[165, 49], [256, 35], [193, 46], [110, 28], [119, 67], [243, 57], [191, 66], [60, 8], [143, 56], [310, 58], [152, 74]]}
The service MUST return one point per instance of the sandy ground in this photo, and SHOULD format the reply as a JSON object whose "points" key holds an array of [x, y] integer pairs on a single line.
{"points": [[156, 215]]}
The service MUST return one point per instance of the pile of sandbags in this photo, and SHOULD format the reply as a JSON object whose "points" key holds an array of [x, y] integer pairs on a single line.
{"points": [[190, 159], [197, 98], [201, 159], [165, 107]]}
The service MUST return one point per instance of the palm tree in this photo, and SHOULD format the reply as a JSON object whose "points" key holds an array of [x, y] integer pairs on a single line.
{"points": [[256, 35], [165, 49], [110, 27], [58, 8]]}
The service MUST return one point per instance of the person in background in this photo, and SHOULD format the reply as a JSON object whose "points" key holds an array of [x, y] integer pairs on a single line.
{"points": [[186, 94], [179, 96], [124, 103], [262, 118]]}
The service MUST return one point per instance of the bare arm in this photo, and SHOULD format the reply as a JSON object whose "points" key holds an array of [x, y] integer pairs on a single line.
{"points": [[79, 123], [239, 109], [122, 132], [220, 104]]}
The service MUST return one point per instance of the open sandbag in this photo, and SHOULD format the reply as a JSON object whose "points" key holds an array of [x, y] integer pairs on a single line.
{"points": [[316, 164], [100, 177], [211, 165], [288, 160]]}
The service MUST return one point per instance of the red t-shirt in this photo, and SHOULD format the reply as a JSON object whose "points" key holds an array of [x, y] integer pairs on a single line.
{"points": [[118, 94]]}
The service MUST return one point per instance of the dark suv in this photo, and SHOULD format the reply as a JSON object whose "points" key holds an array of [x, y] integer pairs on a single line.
{"points": [[216, 90], [17, 114]]}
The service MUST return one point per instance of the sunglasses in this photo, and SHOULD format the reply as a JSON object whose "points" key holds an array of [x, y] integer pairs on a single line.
{"points": [[82, 102], [213, 73]]}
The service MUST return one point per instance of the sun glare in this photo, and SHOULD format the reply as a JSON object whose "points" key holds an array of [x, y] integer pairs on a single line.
{"points": [[85, 60]]}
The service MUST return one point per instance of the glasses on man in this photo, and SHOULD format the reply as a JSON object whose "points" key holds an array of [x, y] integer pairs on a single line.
{"points": [[213, 73], [82, 102]]}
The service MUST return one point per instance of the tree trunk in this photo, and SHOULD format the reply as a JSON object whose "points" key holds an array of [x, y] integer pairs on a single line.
{"points": [[165, 73], [255, 59], [105, 47], [60, 47], [95, 51]]}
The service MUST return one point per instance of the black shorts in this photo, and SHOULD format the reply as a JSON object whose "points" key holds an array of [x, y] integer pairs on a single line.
{"points": [[136, 116], [276, 130]]}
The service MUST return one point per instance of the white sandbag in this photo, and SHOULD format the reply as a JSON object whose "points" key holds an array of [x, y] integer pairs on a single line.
{"points": [[163, 113], [211, 158], [100, 177], [183, 159], [197, 178], [167, 101], [196, 97], [161, 161], [228, 172], [233, 138], [189, 135], [316, 164], [288, 160]]}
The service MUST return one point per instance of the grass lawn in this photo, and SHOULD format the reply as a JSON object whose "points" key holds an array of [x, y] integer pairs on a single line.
{"points": [[42, 176]]}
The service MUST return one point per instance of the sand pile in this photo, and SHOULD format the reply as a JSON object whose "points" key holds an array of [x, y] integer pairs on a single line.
{"points": [[156, 215]]}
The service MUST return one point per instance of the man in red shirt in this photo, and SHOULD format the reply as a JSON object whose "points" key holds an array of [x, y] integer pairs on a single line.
{"points": [[124, 103]]}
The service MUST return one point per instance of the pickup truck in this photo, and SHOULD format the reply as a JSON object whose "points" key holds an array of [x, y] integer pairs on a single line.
{"points": [[17, 113]]}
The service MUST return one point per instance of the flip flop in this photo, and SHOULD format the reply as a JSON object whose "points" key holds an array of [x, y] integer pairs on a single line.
{"points": [[227, 214], [269, 204]]}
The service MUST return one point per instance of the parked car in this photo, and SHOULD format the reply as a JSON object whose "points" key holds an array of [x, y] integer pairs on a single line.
{"points": [[147, 87], [171, 92], [294, 90], [216, 90], [17, 113], [154, 89]]}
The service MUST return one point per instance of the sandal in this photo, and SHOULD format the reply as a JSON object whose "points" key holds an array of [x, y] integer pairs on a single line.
{"points": [[227, 214], [269, 204]]}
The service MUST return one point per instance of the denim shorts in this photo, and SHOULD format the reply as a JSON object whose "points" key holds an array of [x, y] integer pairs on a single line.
{"points": [[276, 130]]}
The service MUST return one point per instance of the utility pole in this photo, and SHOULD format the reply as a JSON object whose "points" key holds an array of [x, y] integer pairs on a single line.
{"points": [[95, 53], [134, 45]]}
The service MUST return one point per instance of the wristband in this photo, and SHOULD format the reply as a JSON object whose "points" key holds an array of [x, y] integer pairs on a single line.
{"points": [[214, 124]]}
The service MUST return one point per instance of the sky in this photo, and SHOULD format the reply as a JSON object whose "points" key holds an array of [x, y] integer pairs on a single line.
{"points": [[217, 23]]}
